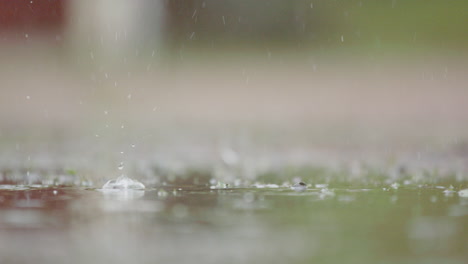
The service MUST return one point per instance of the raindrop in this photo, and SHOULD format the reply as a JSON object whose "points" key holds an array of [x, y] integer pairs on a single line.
{"points": [[311, 5], [342, 38], [105, 112], [121, 166], [129, 96], [224, 21], [203, 4], [28, 97], [26, 35], [133, 145], [192, 35]]}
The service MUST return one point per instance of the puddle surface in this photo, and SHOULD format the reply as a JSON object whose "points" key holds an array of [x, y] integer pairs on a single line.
{"points": [[182, 224]]}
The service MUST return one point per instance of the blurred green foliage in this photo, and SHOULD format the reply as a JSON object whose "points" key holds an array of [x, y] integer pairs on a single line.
{"points": [[365, 24]]}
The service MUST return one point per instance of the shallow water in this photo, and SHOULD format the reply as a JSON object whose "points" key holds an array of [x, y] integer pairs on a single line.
{"points": [[262, 224]]}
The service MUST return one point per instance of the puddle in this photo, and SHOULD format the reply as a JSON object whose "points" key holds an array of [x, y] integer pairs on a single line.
{"points": [[177, 223]]}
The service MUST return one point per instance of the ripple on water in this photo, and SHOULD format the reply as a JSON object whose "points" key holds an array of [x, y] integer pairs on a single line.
{"points": [[463, 193], [11, 187], [122, 194]]}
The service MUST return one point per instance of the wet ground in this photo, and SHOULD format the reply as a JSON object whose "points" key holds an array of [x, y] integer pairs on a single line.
{"points": [[218, 142], [212, 223]]}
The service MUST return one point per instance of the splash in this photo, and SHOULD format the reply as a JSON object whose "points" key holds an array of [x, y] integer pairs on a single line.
{"points": [[123, 182]]}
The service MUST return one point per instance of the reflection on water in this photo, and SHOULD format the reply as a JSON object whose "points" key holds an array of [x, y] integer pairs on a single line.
{"points": [[183, 224]]}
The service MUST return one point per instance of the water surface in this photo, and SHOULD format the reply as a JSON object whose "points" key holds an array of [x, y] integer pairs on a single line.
{"points": [[261, 224]]}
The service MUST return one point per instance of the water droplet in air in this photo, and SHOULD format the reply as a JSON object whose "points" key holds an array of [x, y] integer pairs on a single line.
{"points": [[28, 97], [121, 166]]}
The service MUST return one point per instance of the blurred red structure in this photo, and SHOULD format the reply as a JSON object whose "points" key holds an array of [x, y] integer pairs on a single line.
{"points": [[32, 15]]}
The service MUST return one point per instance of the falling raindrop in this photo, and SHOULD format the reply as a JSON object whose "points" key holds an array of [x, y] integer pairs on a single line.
{"points": [[121, 166]]}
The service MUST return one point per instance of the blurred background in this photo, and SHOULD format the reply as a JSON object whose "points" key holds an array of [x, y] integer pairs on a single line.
{"points": [[87, 84]]}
